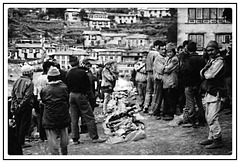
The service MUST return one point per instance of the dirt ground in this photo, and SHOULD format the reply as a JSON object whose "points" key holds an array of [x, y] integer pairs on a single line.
{"points": [[161, 139]]}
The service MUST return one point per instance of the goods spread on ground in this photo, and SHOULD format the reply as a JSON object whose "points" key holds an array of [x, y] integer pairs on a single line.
{"points": [[123, 121]]}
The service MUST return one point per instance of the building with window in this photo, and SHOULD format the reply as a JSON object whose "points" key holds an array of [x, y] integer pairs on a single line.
{"points": [[155, 12], [137, 41], [62, 57], [98, 20], [202, 25], [32, 51], [125, 18], [92, 38], [72, 15]]}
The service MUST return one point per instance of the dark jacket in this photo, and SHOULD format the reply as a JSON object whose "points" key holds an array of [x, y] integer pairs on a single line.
{"points": [[55, 99], [22, 93], [78, 81], [190, 70]]}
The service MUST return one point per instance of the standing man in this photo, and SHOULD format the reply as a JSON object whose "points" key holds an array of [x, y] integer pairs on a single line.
{"points": [[158, 66], [79, 87], [213, 73], [192, 81], [22, 103], [150, 79], [108, 83], [56, 118], [141, 80]]}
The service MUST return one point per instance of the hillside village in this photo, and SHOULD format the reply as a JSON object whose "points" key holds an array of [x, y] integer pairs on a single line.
{"points": [[101, 34]]}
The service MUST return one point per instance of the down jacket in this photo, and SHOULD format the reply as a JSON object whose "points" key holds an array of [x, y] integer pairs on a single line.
{"points": [[55, 99]]}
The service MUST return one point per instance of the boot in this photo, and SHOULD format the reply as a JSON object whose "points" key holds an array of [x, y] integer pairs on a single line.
{"points": [[206, 142], [217, 143], [64, 151]]}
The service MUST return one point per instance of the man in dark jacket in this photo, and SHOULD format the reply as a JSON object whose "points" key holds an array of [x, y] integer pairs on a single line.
{"points": [[79, 87], [22, 102], [56, 117], [192, 81]]}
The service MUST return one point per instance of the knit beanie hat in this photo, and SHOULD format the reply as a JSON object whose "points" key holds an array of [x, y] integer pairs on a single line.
{"points": [[213, 44], [191, 46], [53, 71], [73, 60], [170, 46], [27, 69]]}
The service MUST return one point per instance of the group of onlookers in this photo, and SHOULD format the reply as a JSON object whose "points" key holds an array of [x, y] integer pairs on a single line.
{"points": [[169, 81], [58, 99], [172, 80]]}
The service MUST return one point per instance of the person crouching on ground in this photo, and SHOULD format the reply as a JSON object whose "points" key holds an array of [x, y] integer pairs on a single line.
{"points": [[213, 73], [56, 117]]}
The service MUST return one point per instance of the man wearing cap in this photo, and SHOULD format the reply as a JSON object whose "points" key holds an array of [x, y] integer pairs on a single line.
{"points": [[149, 68], [191, 80], [213, 73], [22, 102], [79, 87], [56, 117]]}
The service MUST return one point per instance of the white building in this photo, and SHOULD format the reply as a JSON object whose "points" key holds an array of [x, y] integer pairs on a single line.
{"points": [[72, 15], [63, 57], [92, 38], [33, 51], [98, 20], [125, 18], [137, 41], [154, 12], [202, 25]]}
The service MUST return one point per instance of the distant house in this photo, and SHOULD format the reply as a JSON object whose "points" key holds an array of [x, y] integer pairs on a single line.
{"points": [[92, 38], [136, 41], [154, 12], [114, 39], [63, 56], [202, 25], [33, 51], [72, 15], [104, 55], [98, 19], [125, 18]]}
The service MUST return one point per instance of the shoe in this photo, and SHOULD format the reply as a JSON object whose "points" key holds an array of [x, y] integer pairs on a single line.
{"points": [[99, 140], [78, 142], [26, 145], [158, 117], [217, 143], [206, 142], [168, 118], [187, 125]]}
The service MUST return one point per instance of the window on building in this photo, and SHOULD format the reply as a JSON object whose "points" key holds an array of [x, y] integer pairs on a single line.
{"points": [[94, 23], [100, 23], [24, 50], [111, 57], [37, 50], [94, 37], [31, 50], [74, 18], [223, 38], [205, 15], [35, 55], [198, 39], [131, 21], [105, 23]]}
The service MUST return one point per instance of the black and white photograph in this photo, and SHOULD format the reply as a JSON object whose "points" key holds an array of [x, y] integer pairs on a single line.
{"points": [[119, 80]]}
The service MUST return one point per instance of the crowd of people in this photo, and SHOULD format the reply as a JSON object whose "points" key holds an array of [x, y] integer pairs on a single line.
{"points": [[169, 80], [176, 80]]}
